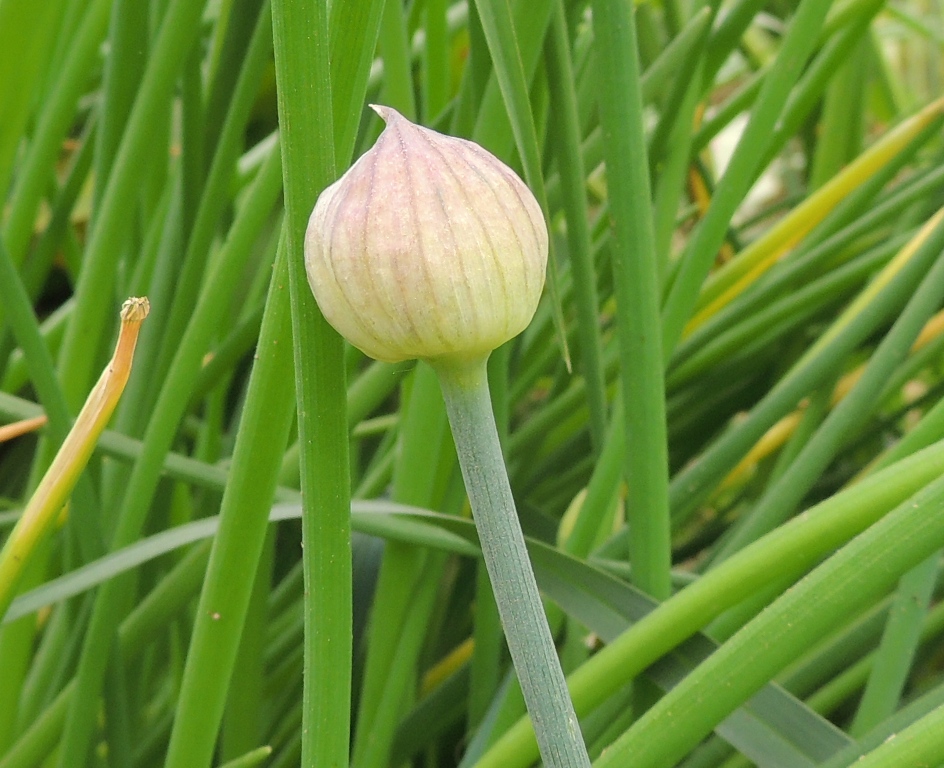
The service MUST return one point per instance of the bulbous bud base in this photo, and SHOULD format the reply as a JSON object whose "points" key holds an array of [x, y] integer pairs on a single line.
{"points": [[428, 247]]}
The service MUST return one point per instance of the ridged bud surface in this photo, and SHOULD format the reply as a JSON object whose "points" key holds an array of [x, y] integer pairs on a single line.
{"points": [[428, 247]]}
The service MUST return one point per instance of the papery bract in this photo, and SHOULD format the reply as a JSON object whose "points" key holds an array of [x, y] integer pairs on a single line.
{"points": [[428, 247]]}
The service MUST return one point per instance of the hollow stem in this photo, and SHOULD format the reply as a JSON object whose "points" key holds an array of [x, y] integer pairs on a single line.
{"points": [[465, 389], [46, 503]]}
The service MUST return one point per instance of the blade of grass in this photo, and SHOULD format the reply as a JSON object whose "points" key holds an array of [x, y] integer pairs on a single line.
{"points": [[122, 447], [250, 759], [781, 497], [20, 428], [55, 120], [773, 728], [160, 606], [113, 600], [847, 581], [406, 575], [354, 27], [843, 120], [794, 547], [227, 51], [485, 669], [243, 719], [921, 743], [84, 523], [788, 313], [436, 69], [475, 78], [675, 162], [39, 362], [193, 163], [884, 295], [897, 649], [395, 52], [762, 254], [129, 42], [392, 521], [36, 269], [24, 34], [566, 131], [602, 491], [700, 252], [655, 79], [839, 43], [178, 33], [889, 728], [263, 433], [727, 35], [802, 267], [499, 27], [636, 285], [315, 137], [186, 279]]}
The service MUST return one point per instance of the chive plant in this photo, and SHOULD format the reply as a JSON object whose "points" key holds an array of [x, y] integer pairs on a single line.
{"points": [[429, 247]]}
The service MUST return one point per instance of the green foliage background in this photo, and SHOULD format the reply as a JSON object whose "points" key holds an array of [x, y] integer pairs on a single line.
{"points": [[722, 428]]}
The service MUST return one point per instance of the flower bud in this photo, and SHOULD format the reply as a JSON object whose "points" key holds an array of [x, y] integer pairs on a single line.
{"points": [[428, 247]]}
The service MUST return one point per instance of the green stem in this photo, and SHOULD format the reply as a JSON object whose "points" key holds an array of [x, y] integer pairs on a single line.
{"points": [[465, 389], [922, 743], [636, 288]]}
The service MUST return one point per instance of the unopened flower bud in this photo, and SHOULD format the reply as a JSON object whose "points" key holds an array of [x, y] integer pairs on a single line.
{"points": [[428, 247]]}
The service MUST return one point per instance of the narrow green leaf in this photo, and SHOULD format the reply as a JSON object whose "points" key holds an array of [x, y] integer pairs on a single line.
{"points": [[499, 28], [636, 285], [699, 254]]}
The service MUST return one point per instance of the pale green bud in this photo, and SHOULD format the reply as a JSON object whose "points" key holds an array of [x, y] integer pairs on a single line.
{"points": [[428, 247]]}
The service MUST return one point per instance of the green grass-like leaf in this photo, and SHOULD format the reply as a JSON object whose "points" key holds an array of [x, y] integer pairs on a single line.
{"points": [[743, 205]]}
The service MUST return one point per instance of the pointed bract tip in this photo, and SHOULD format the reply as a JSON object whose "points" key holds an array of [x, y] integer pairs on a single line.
{"points": [[387, 114]]}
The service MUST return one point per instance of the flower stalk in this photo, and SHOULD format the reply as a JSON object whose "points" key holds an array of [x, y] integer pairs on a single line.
{"points": [[430, 247], [53, 490], [469, 407]]}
